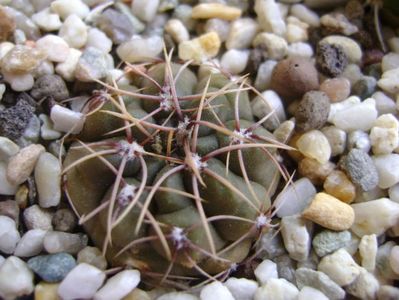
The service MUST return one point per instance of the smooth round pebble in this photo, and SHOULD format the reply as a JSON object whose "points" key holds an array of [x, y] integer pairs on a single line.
{"points": [[31, 243], [337, 89], [298, 73], [234, 61], [119, 285], [48, 180], [92, 256], [266, 270], [83, 281], [314, 144]]}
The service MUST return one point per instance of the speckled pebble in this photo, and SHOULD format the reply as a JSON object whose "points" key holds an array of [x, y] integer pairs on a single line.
{"points": [[331, 60], [312, 112], [53, 267], [328, 241]]}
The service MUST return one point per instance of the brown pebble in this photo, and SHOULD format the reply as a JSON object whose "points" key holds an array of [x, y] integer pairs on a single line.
{"points": [[338, 185], [64, 220], [7, 25], [312, 112], [337, 89], [315, 171], [293, 77], [329, 212]]}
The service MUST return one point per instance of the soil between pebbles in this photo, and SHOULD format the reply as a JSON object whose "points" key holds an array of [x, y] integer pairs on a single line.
{"points": [[327, 73]]}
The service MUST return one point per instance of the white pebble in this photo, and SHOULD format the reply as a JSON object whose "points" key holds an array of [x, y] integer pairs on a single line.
{"points": [[47, 131], [5, 47], [375, 216], [58, 241], [215, 291], [306, 15], [265, 271], [9, 235], [264, 75], [388, 169], [269, 17], [384, 104], [394, 193], [234, 61], [31, 243], [365, 286], [37, 218], [352, 114], [139, 49], [242, 32], [177, 296], [119, 285], [340, 267], [276, 46], [67, 68], [241, 288], [56, 48], [74, 32], [296, 237], [65, 8], [46, 20], [277, 289], [45, 68], [145, 10], [349, 46], [7, 149], [389, 81], [368, 247], [19, 82], [98, 39], [353, 73], [66, 120], [390, 61], [309, 293], [16, 279], [177, 30], [384, 135], [314, 144], [300, 50], [82, 282], [297, 31], [269, 104], [48, 180]]}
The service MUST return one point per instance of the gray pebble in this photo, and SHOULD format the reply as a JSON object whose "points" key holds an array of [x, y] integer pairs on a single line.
{"points": [[116, 25], [364, 87], [92, 65], [64, 220], [387, 292], [328, 241], [286, 268], [14, 120], [53, 267], [50, 85], [10, 209], [361, 169], [312, 112], [270, 245], [320, 281], [373, 70]]}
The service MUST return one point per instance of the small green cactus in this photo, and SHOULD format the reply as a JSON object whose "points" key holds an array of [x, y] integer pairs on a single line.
{"points": [[174, 178]]}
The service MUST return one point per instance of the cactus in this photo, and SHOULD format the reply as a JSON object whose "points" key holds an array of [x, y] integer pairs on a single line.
{"points": [[174, 178]]}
